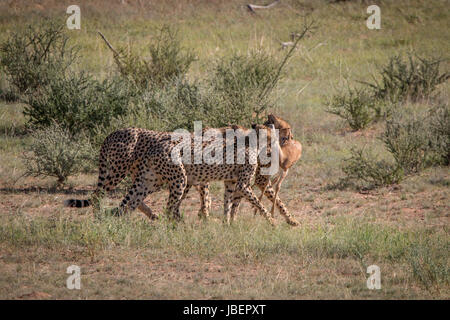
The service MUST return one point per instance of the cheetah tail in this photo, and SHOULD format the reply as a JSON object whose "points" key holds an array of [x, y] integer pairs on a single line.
{"points": [[77, 203]]}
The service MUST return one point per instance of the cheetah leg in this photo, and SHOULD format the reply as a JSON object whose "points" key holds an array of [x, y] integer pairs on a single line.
{"points": [[115, 175], [205, 199], [145, 184], [235, 206], [147, 211], [176, 191], [103, 173], [270, 194], [265, 183], [227, 200], [173, 204], [108, 179], [186, 191], [143, 207], [248, 193]]}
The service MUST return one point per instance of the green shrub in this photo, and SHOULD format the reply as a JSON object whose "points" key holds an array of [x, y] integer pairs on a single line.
{"points": [[168, 60], [78, 103], [169, 108], [414, 141], [30, 58], [439, 119], [8, 95], [412, 78], [357, 107], [363, 167], [238, 91], [55, 152], [429, 265], [175, 106], [234, 94], [407, 138], [242, 85]]}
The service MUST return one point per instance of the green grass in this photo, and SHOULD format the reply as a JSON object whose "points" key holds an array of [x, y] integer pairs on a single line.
{"points": [[422, 253], [341, 238]]}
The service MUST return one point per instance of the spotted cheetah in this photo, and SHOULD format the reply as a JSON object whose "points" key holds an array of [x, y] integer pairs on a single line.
{"points": [[158, 168], [121, 155]]}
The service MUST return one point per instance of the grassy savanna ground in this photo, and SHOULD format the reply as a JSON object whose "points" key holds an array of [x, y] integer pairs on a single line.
{"points": [[403, 229]]}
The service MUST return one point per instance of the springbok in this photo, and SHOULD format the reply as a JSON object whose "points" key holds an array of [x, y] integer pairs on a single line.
{"points": [[289, 153]]}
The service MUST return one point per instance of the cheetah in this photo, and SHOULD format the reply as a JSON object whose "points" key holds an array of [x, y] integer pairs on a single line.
{"points": [[158, 168], [119, 157]]}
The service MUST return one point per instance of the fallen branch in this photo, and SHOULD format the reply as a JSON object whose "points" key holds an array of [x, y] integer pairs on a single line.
{"points": [[252, 7], [284, 45]]}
